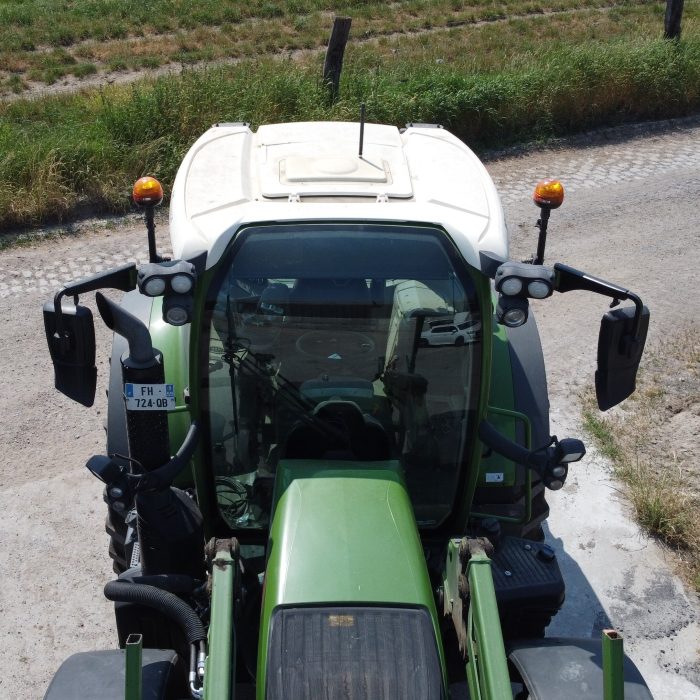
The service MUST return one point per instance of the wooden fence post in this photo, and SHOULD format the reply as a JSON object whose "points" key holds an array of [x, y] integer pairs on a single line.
{"points": [[333, 64], [672, 19]]}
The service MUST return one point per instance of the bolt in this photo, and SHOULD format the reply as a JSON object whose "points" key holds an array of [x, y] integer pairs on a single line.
{"points": [[116, 492], [507, 573]]}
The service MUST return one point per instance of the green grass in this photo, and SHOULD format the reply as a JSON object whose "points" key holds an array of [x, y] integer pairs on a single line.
{"points": [[548, 68], [61, 152], [662, 504], [35, 23], [133, 35]]}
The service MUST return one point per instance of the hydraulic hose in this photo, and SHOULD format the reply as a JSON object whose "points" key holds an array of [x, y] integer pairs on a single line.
{"points": [[172, 583], [163, 477], [170, 605]]}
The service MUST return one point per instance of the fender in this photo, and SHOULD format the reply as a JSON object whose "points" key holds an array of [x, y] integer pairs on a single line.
{"points": [[556, 668]]}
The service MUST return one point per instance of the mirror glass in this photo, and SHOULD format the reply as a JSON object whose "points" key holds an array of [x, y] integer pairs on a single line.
{"points": [[73, 353], [619, 354]]}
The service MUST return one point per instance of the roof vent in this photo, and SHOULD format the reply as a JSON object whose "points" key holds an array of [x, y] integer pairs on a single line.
{"points": [[332, 169]]}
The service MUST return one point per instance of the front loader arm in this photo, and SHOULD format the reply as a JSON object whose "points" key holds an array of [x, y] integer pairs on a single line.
{"points": [[220, 673], [469, 582]]}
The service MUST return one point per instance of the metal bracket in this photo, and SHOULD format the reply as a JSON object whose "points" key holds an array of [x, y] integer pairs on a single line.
{"points": [[133, 688], [456, 583]]}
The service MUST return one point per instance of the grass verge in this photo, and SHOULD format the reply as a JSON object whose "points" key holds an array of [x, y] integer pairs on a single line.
{"points": [[62, 154], [652, 444], [46, 44]]}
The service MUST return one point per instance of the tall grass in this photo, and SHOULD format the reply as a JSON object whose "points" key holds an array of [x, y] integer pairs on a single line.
{"points": [[59, 153]]}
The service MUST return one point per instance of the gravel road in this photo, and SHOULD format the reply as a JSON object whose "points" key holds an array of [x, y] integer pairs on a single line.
{"points": [[631, 216]]}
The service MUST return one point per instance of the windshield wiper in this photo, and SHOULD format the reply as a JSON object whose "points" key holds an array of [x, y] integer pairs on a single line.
{"points": [[239, 355]]}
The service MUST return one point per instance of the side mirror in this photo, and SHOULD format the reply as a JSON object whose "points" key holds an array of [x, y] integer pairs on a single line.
{"points": [[71, 343], [620, 348]]}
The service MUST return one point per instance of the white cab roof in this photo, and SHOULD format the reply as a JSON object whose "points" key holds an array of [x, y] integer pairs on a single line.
{"points": [[313, 171]]}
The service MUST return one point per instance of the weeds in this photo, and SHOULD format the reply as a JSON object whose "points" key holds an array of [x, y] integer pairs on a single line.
{"points": [[58, 153], [215, 31], [660, 474], [528, 77]]}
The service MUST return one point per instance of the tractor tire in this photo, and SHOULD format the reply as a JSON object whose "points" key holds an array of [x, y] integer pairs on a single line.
{"points": [[116, 528]]}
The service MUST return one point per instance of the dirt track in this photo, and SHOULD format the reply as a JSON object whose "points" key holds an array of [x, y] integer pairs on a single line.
{"points": [[631, 216]]}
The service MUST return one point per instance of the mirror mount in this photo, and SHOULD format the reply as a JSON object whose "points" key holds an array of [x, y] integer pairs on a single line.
{"points": [[122, 278], [70, 332], [567, 279]]}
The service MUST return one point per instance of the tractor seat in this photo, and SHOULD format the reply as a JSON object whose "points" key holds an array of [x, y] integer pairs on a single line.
{"points": [[340, 431]]}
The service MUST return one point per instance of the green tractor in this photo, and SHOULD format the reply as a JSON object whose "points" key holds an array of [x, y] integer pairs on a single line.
{"points": [[328, 441]]}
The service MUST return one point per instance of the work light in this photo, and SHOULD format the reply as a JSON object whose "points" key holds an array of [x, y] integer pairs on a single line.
{"points": [[153, 286], [511, 311], [177, 309], [516, 279], [174, 280]]}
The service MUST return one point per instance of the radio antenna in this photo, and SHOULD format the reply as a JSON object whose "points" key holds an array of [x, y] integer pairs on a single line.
{"points": [[362, 127]]}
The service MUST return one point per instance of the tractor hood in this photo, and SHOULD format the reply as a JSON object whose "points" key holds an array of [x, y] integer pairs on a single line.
{"points": [[347, 598], [344, 534]]}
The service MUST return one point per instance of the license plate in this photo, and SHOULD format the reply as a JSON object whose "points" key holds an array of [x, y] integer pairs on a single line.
{"points": [[149, 397]]}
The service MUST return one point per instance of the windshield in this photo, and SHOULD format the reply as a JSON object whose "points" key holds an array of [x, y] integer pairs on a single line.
{"points": [[340, 342]]}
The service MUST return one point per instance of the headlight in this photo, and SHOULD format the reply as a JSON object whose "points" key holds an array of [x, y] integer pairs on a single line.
{"points": [[511, 286], [517, 279], [512, 311], [176, 316], [539, 289], [181, 284], [154, 286], [177, 309]]}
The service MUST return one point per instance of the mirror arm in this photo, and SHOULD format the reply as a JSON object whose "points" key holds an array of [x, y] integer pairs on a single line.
{"points": [[567, 279], [122, 278], [490, 262], [536, 460]]}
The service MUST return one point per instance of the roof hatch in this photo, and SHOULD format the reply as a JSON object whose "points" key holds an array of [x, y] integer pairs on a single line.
{"points": [[302, 159]]}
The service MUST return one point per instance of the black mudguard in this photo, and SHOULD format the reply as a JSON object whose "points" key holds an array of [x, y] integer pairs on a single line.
{"points": [[532, 399], [529, 378], [556, 668], [100, 675]]}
